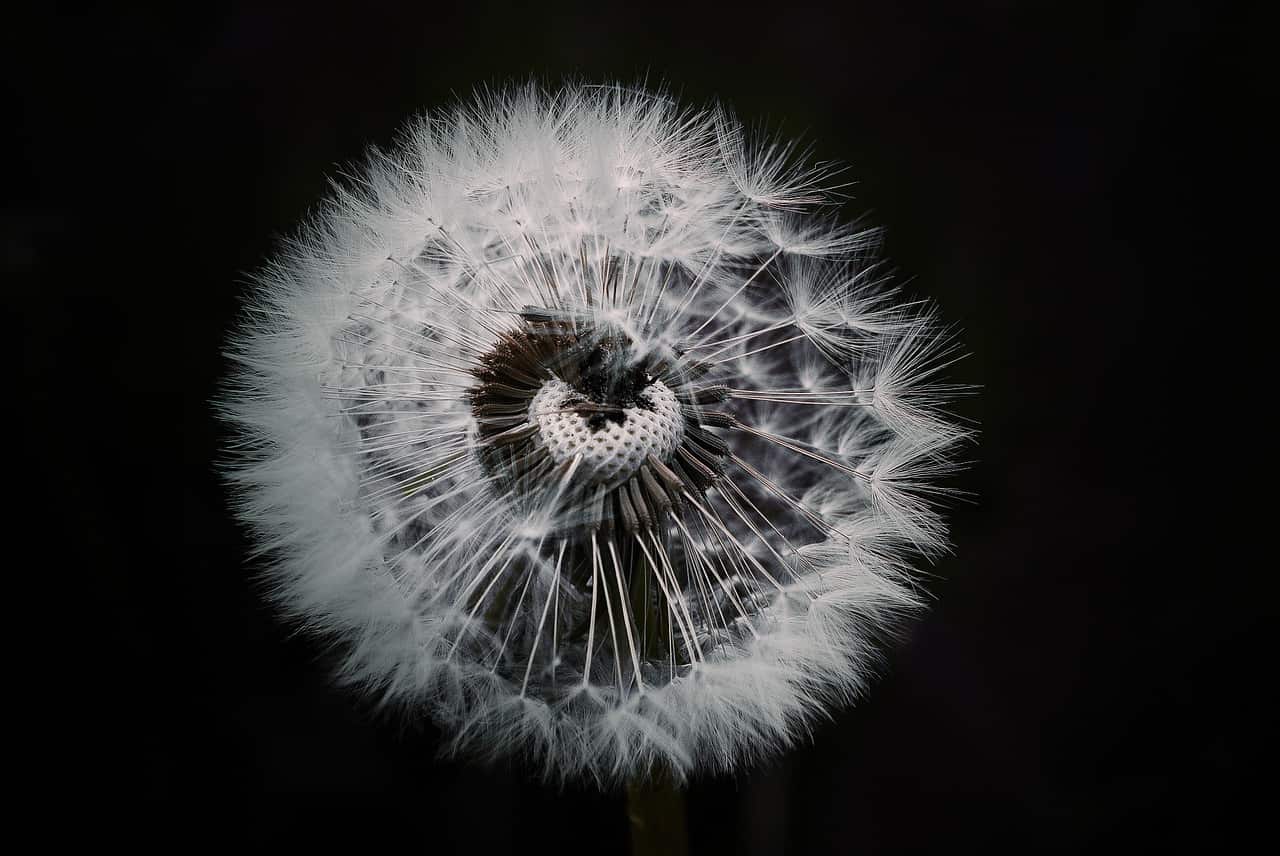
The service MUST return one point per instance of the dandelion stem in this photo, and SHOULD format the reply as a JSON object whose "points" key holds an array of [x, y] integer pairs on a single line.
{"points": [[655, 808]]}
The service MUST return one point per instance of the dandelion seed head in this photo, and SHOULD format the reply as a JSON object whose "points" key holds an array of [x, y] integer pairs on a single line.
{"points": [[577, 424]]}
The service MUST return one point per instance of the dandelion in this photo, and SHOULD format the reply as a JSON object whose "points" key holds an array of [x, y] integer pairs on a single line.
{"points": [[579, 424]]}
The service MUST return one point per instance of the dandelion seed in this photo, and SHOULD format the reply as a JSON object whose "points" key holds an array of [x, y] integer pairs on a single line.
{"points": [[579, 428]]}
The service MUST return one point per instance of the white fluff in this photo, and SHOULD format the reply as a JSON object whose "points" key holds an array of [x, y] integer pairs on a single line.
{"points": [[443, 582]]}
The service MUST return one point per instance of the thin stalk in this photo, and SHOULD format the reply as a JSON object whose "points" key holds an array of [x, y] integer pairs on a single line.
{"points": [[655, 807]]}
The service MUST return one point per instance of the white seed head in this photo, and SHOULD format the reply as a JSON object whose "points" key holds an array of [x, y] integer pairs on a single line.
{"points": [[578, 425]]}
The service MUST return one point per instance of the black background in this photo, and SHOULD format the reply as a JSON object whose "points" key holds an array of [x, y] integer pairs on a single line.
{"points": [[1037, 168]]}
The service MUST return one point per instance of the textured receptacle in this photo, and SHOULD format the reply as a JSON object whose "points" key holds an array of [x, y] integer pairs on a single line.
{"points": [[612, 448]]}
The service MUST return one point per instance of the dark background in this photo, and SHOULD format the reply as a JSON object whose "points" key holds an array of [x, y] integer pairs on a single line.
{"points": [[1037, 167]]}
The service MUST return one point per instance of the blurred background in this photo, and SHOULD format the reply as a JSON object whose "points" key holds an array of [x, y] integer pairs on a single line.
{"points": [[1035, 166]]}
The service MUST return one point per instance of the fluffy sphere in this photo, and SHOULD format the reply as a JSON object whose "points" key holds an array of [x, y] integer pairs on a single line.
{"points": [[579, 424]]}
